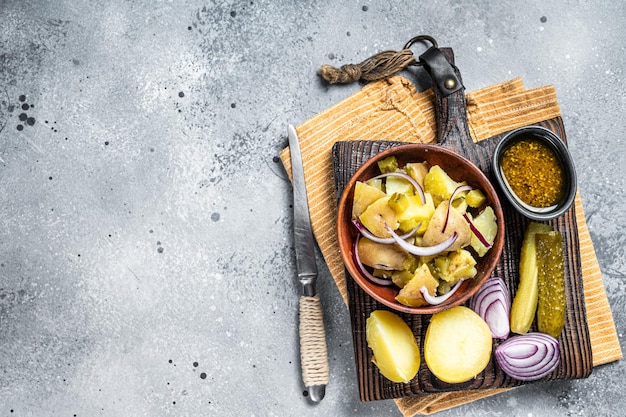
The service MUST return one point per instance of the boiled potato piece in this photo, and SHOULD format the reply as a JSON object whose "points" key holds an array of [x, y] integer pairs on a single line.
{"points": [[381, 256], [410, 294], [458, 345], [455, 266], [416, 210], [417, 171], [462, 265], [475, 198], [439, 184], [456, 223], [409, 225], [486, 224], [394, 348], [377, 214], [376, 183], [364, 195], [399, 185]]}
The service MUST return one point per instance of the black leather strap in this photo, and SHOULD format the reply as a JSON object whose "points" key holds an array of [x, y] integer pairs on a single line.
{"points": [[441, 71]]}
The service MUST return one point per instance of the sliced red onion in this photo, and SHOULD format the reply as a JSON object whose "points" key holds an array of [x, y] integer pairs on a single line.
{"points": [[528, 357], [407, 177], [456, 192], [492, 303], [476, 232], [438, 299], [384, 240], [422, 250], [363, 270]]}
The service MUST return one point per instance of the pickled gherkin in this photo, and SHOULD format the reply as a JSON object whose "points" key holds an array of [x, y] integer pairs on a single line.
{"points": [[389, 164], [551, 281], [524, 304]]}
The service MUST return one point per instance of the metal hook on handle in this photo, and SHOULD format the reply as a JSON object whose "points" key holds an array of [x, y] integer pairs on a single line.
{"points": [[420, 38]]}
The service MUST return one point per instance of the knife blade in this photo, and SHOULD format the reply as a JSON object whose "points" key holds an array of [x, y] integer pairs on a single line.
{"points": [[313, 353]]}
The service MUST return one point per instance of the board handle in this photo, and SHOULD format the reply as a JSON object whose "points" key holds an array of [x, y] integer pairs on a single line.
{"points": [[450, 105]]}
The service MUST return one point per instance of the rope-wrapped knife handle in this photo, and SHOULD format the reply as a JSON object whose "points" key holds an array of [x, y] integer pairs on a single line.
{"points": [[313, 353]]}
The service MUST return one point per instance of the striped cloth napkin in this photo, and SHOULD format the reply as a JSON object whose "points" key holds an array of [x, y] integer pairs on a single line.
{"points": [[394, 110]]}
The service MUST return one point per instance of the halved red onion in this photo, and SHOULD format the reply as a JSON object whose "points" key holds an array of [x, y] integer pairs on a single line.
{"points": [[438, 299], [384, 240], [492, 303], [456, 192], [363, 270], [422, 250], [528, 357], [476, 232], [407, 177]]}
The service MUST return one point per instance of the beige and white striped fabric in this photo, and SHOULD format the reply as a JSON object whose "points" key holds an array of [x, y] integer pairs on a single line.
{"points": [[393, 110]]}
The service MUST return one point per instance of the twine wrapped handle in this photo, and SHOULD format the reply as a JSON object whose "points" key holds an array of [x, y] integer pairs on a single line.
{"points": [[313, 353], [377, 67]]}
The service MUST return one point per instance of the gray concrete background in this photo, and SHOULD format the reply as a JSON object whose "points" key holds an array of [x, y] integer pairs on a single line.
{"points": [[146, 253]]}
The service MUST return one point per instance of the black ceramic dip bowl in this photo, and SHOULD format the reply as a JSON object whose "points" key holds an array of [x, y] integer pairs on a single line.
{"points": [[534, 169]]}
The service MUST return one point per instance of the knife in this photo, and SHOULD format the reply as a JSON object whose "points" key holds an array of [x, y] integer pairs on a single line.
{"points": [[313, 354]]}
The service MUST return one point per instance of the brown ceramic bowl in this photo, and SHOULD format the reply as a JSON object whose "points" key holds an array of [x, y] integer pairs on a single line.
{"points": [[459, 169]]}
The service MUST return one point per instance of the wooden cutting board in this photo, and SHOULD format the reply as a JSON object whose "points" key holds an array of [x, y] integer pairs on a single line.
{"points": [[575, 344]]}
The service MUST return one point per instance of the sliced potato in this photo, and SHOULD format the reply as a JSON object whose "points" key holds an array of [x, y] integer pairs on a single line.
{"points": [[458, 345], [415, 210], [364, 195], [381, 256], [455, 266], [410, 294], [377, 214], [439, 184], [417, 171], [462, 265], [376, 183], [456, 223], [475, 198], [398, 185], [394, 348]]}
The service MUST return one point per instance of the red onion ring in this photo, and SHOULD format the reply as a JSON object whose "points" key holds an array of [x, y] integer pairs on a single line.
{"points": [[528, 357], [436, 300], [476, 232], [456, 192], [422, 250], [384, 240], [492, 303]]}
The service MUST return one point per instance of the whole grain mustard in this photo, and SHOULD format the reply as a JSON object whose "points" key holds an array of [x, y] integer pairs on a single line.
{"points": [[534, 173]]}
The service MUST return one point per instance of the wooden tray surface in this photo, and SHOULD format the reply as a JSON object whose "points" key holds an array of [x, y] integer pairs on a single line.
{"points": [[575, 345]]}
